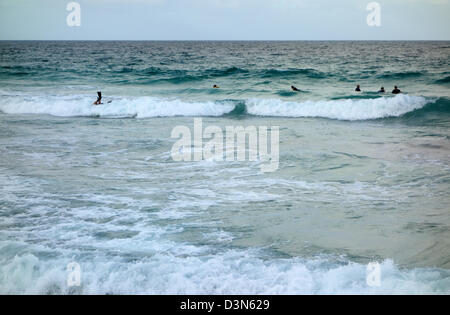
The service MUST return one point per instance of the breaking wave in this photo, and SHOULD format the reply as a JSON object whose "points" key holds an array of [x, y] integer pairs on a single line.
{"points": [[227, 273], [148, 107]]}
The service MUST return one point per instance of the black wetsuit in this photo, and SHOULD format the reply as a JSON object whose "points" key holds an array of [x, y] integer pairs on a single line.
{"points": [[99, 98]]}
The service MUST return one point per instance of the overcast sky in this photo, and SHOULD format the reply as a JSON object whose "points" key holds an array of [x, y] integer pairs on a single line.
{"points": [[225, 20]]}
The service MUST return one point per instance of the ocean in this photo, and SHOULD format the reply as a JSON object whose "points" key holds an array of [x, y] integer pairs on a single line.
{"points": [[363, 178]]}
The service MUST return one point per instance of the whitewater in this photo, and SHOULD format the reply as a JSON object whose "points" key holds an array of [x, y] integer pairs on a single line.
{"points": [[148, 107]]}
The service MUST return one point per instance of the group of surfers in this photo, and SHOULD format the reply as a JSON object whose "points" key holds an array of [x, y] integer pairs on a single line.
{"points": [[396, 90]]}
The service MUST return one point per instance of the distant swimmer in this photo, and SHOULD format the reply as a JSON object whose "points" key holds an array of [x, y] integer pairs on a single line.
{"points": [[294, 89], [382, 90], [396, 90], [99, 99], [358, 88], [216, 86]]}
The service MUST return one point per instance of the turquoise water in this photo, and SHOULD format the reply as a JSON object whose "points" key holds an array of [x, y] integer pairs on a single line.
{"points": [[362, 177]]}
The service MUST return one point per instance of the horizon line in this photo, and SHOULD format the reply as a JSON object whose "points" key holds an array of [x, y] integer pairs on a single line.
{"points": [[225, 40]]}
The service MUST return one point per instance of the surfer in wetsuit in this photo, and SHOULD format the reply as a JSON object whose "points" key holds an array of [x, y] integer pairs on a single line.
{"points": [[396, 90], [99, 99], [294, 89], [382, 90], [358, 88]]}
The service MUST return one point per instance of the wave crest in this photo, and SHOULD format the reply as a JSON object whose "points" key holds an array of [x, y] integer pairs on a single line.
{"points": [[147, 107], [347, 109], [445, 80], [143, 107], [27, 274], [310, 73], [400, 75]]}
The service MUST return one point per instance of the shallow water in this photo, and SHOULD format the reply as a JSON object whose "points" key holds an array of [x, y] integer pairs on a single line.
{"points": [[361, 178]]}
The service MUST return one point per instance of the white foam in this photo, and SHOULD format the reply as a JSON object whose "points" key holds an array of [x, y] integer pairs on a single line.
{"points": [[147, 107], [347, 109], [232, 272], [142, 107]]}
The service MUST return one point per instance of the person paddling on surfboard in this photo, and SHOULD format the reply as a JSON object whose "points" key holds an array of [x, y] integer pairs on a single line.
{"points": [[294, 89], [99, 99]]}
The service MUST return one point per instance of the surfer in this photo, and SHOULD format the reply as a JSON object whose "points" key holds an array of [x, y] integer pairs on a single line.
{"points": [[99, 99], [382, 90], [396, 90], [294, 89], [358, 88], [215, 86]]}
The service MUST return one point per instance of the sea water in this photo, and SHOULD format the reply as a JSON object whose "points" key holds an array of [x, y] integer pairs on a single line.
{"points": [[363, 177]]}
